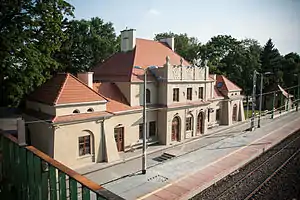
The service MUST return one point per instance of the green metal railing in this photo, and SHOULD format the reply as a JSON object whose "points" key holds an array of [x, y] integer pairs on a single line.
{"points": [[30, 174]]}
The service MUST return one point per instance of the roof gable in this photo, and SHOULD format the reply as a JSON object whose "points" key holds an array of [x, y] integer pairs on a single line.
{"points": [[64, 89], [116, 99], [226, 85]]}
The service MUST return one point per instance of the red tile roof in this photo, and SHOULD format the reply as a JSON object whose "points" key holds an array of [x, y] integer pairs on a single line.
{"points": [[119, 67], [217, 93], [227, 85], [64, 89], [116, 100]]}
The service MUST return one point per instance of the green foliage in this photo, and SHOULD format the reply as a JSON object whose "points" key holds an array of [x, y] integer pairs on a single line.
{"points": [[185, 46], [89, 42], [30, 32], [271, 61], [235, 59]]}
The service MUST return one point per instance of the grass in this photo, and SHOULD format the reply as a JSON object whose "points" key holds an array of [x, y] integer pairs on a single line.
{"points": [[249, 114]]}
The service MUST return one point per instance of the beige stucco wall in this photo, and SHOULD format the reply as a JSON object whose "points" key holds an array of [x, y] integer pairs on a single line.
{"points": [[41, 137], [68, 110], [66, 149], [182, 114], [41, 107], [137, 93], [233, 93], [185, 72], [215, 105], [183, 91], [130, 122]]}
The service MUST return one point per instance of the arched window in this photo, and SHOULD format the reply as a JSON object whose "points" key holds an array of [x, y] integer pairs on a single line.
{"points": [[76, 111], [148, 96], [234, 113], [86, 143], [90, 110], [189, 122]]}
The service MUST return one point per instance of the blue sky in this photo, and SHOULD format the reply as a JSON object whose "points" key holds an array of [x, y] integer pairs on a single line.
{"points": [[258, 19]]}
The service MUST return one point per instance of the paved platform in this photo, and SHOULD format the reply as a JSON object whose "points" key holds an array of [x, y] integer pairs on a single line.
{"points": [[199, 164]]}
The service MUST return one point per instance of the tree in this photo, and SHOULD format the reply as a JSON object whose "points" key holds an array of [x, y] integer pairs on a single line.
{"points": [[271, 61], [233, 58], [30, 32], [291, 68], [89, 42], [185, 46]]}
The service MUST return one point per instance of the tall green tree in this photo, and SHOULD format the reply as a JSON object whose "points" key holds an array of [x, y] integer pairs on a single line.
{"points": [[89, 42], [291, 69], [185, 46], [271, 61], [30, 32], [233, 58]]}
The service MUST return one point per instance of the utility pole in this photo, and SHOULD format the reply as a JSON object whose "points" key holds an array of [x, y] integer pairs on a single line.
{"points": [[253, 100], [298, 92], [247, 107], [144, 167], [144, 155], [260, 98]]}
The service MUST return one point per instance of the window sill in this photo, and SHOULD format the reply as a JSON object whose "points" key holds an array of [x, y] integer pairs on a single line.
{"points": [[85, 156]]}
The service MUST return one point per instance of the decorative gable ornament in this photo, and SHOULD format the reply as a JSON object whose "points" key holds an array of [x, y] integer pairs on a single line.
{"points": [[167, 60]]}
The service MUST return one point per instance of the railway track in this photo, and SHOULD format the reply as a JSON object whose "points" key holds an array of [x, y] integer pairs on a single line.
{"points": [[261, 189], [251, 181]]}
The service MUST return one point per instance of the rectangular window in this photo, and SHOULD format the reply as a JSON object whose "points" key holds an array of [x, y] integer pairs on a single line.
{"points": [[189, 93], [200, 94], [176, 94], [218, 115], [152, 128], [188, 124], [141, 130], [84, 145]]}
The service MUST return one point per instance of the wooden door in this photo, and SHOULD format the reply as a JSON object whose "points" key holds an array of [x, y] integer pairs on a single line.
{"points": [[119, 138], [175, 129], [200, 123], [234, 113]]}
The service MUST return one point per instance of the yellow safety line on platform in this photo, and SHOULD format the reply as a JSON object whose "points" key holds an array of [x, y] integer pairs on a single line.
{"points": [[179, 179]]}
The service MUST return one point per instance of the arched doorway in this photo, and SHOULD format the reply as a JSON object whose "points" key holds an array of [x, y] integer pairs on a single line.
{"points": [[175, 128], [234, 113], [200, 124]]}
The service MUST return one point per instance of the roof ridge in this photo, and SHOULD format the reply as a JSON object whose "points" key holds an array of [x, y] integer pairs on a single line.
{"points": [[62, 87], [231, 82], [77, 79]]}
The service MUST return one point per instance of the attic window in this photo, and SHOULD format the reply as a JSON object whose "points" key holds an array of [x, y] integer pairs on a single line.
{"points": [[90, 110], [219, 85], [76, 111]]}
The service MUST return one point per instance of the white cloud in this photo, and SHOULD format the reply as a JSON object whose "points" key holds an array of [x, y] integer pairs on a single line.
{"points": [[153, 12]]}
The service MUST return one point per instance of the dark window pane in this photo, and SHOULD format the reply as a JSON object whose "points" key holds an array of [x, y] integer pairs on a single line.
{"points": [[141, 129]]}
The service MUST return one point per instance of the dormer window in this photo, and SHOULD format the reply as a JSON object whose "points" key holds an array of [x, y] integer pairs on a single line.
{"points": [[76, 111], [90, 110]]}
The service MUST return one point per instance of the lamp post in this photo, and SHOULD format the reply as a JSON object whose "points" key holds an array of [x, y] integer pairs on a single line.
{"points": [[273, 104], [260, 96], [298, 91], [253, 100], [144, 156]]}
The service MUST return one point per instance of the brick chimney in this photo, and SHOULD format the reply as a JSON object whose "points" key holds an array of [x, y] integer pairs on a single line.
{"points": [[169, 41], [128, 40], [86, 77]]}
